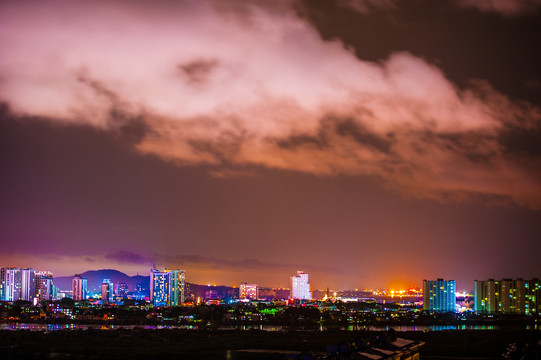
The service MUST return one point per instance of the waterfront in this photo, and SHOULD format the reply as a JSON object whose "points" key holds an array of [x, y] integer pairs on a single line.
{"points": [[270, 328]]}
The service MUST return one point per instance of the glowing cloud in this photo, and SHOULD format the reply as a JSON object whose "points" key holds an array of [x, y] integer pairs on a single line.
{"points": [[235, 84]]}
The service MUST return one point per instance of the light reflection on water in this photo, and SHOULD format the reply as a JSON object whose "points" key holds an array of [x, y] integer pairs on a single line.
{"points": [[56, 327]]}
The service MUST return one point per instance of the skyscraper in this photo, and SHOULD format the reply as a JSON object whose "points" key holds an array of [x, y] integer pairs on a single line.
{"points": [[167, 287], [11, 284], [300, 287], [106, 291], [28, 284], [248, 291], [79, 286], [2, 280], [439, 295]]}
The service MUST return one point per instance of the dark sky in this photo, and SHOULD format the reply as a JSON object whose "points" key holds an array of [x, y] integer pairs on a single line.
{"points": [[368, 143]]}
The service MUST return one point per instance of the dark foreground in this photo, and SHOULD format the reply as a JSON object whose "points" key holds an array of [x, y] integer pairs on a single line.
{"points": [[185, 344]]}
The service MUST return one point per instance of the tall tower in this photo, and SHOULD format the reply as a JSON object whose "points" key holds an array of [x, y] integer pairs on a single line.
{"points": [[28, 284], [300, 287], [79, 286], [439, 295], [12, 284]]}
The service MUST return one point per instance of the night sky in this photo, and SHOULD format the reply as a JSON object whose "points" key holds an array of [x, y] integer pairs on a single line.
{"points": [[370, 143]]}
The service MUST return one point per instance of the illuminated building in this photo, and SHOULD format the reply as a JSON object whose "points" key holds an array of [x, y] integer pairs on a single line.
{"points": [[439, 295], [248, 291], [18, 284], [507, 296], [44, 286], [121, 290], [28, 284], [167, 287], [79, 287], [533, 296], [2, 280], [106, 291], [300, 287], [11, 284]]}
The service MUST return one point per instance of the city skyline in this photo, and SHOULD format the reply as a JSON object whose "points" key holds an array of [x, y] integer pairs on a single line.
{"points": [[372, 144]]}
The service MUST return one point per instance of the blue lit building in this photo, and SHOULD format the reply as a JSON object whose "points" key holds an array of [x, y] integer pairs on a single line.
{"points": [[439, 295], [167, 287]]}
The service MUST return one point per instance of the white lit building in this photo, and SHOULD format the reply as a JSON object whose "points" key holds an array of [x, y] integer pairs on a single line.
{"points": [[79, 287], [300, 287]]}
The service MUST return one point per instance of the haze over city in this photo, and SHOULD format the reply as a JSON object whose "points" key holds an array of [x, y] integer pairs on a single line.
{"points": [[368, 143]]}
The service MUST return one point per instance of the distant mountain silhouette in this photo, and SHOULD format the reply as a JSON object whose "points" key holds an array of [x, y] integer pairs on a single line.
{"points": [[95, 278]]}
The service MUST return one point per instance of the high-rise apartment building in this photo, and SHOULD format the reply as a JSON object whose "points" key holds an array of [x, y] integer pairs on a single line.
{"points": [[28, 284], [79, 287], [11, 284], [167, 287], [300, 287], [507, 296], [439, 295], [248, 291], [44, 286], [106, 291], [2, 280]]}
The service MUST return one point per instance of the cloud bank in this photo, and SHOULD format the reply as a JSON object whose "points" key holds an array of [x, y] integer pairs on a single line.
{"points": [[236, 84], [505, 7], [207, 262]]}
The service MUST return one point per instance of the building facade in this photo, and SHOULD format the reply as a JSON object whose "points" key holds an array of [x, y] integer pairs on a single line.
{"points": [[12, 283], [248, 291], [507, 296], [167, 287], [44, 286], [439, 295], [79, 287], [300, 287], [121, 290], [107, 291]]}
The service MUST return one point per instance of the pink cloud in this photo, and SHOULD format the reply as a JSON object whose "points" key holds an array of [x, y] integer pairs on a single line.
{"points": [[240, 84]]}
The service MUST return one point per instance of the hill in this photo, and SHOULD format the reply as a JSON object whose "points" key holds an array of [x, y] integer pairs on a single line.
{"points": [[95, 278]]}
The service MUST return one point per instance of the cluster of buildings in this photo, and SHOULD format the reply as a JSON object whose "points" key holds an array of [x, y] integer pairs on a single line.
{"points": [[299, 289], [168, 288], [506, 296], [26, 284]]}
